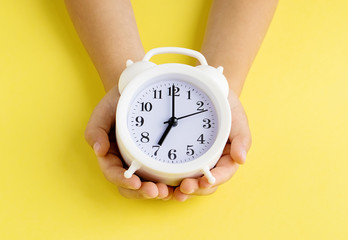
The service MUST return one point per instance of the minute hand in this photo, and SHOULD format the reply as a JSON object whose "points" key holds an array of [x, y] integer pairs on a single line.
{"points": [[188, 115]]}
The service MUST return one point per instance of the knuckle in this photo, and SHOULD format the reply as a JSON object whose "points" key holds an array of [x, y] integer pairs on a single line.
{"points": [[110, 177], [107, 176], [124, 193]]}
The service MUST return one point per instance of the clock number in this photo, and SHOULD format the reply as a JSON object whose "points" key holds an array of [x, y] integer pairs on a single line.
{"points": [[188, 94], [158, 147], [146, 106], [176, 91], [189, 150], [171, 154], [207, 123], [145, 137], [200, 139], [140, 121], [157, 94], [200, 105]]}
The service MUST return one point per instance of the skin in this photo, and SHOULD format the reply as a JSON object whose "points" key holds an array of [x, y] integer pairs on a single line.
{"points": [[108, 31]]}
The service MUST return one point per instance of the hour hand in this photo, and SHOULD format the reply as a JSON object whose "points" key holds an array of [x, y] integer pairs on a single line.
{"points": [[188, 115], [164, 135], [172, 122]]}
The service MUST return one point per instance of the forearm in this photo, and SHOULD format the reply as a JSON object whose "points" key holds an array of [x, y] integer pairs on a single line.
{"points": [[234, 34], [108, 30]]}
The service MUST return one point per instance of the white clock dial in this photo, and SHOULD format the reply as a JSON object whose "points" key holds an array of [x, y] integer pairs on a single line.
{"points": [[172, 139]]}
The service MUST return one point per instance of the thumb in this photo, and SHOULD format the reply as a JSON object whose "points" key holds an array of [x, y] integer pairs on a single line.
{"points": [[240, 136], [98, 139], [239, 147], [100, 123]]}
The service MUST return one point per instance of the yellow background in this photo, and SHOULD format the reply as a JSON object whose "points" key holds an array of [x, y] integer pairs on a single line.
{"points": [[293, 186]]}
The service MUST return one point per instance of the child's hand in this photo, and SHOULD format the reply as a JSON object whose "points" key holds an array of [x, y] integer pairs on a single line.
{"points": [[100, 134], [234, 153]]}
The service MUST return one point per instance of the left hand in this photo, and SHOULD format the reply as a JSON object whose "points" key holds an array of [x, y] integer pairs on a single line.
{"points": [[234, 154], [100, 134]]}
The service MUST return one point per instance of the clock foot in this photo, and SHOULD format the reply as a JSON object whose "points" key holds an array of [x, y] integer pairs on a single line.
{"points": [[133, 167], [209, 176]]}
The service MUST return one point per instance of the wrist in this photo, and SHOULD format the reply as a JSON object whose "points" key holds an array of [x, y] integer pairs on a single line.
{"points": [[235, 84], [236, 88], [110, 74], [111, 80]]}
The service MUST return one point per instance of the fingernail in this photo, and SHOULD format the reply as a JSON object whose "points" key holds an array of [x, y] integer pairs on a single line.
{"points": [[187, 192], [167, 198], [184, 198], [96, 147], [190, 192], [206, 186], [147, 196]]}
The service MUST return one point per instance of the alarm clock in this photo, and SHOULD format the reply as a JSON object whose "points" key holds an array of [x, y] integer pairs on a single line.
{"points": [[172, 120]]}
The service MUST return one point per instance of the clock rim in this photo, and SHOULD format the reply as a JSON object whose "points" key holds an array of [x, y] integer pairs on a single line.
{"points": [[194, 76]]}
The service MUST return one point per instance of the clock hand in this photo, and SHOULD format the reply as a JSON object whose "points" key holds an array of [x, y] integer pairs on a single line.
{"points": [[164, 135], [173, 101], [189, 115], [172, 122]]}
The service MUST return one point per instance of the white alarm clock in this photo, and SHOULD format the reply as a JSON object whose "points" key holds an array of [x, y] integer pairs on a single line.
{"points": [[173, 120]]}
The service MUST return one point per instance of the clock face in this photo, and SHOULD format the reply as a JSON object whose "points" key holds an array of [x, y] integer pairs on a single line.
{"points": [[172, 121]]}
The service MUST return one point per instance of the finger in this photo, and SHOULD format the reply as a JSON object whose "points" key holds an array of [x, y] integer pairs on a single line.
{"points": [[192, 185], [222, 172], [226, 149], [113, 171], [205, 191], [148, 190], [239, 149], [131, 194], [170, 194], [179, 196], [163, 190], [189, 185], [240, 135], [100, 123], [98, 139]]}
